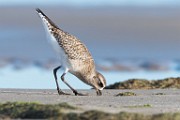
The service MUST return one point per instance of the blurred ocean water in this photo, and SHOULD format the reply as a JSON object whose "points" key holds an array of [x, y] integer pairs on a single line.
{"points": [[128, 39], [35, 78], [118, 33]]}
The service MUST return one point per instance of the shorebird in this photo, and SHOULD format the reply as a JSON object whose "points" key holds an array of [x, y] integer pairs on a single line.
{"points": [[75, 58]]}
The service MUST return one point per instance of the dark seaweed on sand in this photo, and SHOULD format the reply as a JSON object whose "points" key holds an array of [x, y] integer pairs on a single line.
{"points": [[146, 84], [17, 110], [32, 110], [126, 94]]}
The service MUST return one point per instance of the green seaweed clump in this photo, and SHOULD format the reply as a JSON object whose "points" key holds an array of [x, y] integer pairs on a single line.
{"points": [[159, 94], [140, 106], [17, 110], [145, 84], [126, 94], [32, 110], [147, 105], [98, 115]]}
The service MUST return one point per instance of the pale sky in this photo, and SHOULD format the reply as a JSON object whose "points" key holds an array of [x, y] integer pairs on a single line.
{"points": [[91, 2]]}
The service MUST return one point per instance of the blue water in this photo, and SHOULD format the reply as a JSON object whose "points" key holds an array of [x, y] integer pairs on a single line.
{"points": [[36, 78]]}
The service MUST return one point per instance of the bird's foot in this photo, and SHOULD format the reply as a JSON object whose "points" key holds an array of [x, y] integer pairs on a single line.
{"points": [[79, 94], [99, 93], [60, 92]]}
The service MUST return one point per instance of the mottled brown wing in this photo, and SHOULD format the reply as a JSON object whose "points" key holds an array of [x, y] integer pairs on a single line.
{"points": [[74, 48]]}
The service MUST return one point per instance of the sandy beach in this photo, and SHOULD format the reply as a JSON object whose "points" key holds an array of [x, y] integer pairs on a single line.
{"points": [[145, 101]]}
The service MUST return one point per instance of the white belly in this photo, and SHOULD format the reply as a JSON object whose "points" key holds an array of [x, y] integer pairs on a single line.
{"points": [[60, 52]]}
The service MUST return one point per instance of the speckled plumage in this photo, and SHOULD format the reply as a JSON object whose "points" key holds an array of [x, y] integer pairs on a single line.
{"points": [[72, 46], [75, 57]]}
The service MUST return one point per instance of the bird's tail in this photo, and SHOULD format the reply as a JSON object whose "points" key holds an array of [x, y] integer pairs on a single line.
{"points": [[46, 21]]}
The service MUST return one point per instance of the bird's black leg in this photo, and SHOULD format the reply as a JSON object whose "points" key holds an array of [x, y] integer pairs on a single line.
{"points": [[60, 92], [99, 93], [74, 91]]}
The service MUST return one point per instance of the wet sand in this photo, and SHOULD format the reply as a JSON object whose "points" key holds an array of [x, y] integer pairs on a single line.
{"points": [[108, 102]]}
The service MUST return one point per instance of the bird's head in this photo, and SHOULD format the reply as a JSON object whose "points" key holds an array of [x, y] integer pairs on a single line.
{"points": [[98, 82]]}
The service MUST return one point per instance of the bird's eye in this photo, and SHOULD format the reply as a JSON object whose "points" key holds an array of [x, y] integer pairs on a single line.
{"points": [[100, 84]]}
